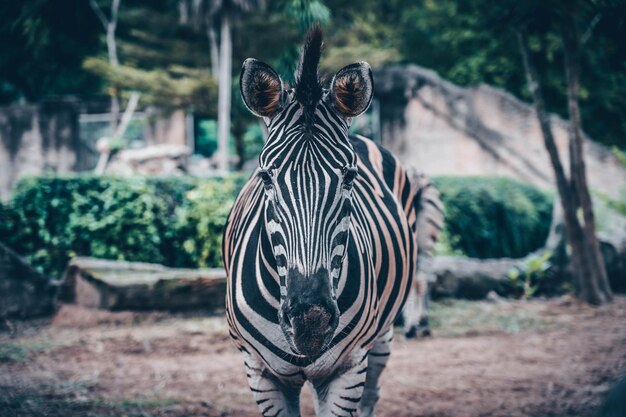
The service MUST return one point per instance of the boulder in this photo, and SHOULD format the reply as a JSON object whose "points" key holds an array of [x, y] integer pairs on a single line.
{"points": [[120, 285], [471, 278], [151, 160], [24, 291]]}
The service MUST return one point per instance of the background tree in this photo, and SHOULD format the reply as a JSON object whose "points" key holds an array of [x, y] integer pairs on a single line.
{"points": [[164, 61], [222, 13], [44, 49], [590, 275], [110, 26]]}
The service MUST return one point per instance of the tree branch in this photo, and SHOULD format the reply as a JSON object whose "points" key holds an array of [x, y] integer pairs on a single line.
{"points": [[115, 5], [542, 115], [592, 25], [98, 11]]}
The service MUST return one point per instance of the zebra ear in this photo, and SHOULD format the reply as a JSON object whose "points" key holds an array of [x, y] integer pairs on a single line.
{"points": [[261, 88], [351, 89]]}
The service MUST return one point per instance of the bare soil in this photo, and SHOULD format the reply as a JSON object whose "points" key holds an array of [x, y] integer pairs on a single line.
{"points": [[506, 358]]}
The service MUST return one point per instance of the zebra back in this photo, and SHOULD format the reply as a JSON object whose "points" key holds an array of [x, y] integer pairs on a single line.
{"points": [[429, 223]]}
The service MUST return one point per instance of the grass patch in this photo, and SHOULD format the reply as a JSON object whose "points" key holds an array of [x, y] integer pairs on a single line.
{"points": [[139, 403], [461, 318], [31, 404], [20, 352], [13, 352]]}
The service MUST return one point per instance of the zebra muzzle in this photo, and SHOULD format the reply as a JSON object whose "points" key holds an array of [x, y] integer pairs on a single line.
{"points": [[313, 329], [309, 315]]}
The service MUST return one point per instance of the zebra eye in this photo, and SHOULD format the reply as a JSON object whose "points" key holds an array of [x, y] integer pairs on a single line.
{"points": [[349, 173], [266, 177]]}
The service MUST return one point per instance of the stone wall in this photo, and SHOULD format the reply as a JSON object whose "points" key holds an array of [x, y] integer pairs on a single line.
{"points": [[443, 129], [36, 139], [46, 137]]}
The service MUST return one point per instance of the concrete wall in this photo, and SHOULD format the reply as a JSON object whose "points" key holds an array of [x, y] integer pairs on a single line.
{"points": [[443, 129], [36, 139], [46, 138]]}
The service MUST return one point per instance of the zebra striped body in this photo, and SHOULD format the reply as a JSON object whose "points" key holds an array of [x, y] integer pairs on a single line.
{"points": [[430, 216], [320, 245], [372, 287]]}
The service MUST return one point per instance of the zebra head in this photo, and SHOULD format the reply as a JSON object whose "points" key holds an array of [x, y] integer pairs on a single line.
{"points": [[307, 167]]}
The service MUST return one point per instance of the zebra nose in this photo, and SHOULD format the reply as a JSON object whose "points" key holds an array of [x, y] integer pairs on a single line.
{"points": [[314, 320], [312, 329]]}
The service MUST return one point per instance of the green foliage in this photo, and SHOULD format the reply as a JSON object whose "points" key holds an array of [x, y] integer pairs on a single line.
{"points": [[307, 12], [529, 279], [44, 46], [473, 41], [202, 233], [206, 137], [364, 39], [494, 217], [122, 221], [50, 220], [253, 140], [39, 216], [168, 88], [448, 245]]}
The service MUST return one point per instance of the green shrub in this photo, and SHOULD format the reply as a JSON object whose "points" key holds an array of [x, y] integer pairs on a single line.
{"points": [[494, 217], [39, 216], [201, 234], [49, 220], [534, 277], [122, 221]]}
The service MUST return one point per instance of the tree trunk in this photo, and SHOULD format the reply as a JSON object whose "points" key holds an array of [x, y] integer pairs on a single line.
{"points": [[213, 49], [582, 268], [223, 110], [183, 12], [239, 129], [595, 287], [105, 155], [113, 60], [110, 25]]}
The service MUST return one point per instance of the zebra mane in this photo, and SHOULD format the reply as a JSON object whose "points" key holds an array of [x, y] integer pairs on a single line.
{"points": [[308, 87]]}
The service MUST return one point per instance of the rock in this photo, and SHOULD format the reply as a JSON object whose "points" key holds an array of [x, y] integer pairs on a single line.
{"points": [[493, 297], [119, 285], [614, 254], [151, 160], [471, 278], [24, 291]]}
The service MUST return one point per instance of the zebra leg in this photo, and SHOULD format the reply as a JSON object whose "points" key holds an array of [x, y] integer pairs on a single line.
{"points": [[424, 325], [339, 395], [275, 398], [415, 312], [377, 360], [410, 315]]}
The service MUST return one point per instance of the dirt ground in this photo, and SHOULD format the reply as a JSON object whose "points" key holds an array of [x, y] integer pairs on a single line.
{"points": [[503, 358]]}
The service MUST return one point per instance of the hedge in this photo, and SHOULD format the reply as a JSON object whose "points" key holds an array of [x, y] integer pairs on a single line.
{"points": [[178, 221], [52, 219], [489, 217]]}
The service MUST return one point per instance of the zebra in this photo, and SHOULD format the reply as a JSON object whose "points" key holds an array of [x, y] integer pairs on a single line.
{"points": [[319, 247], [430, 218]]}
